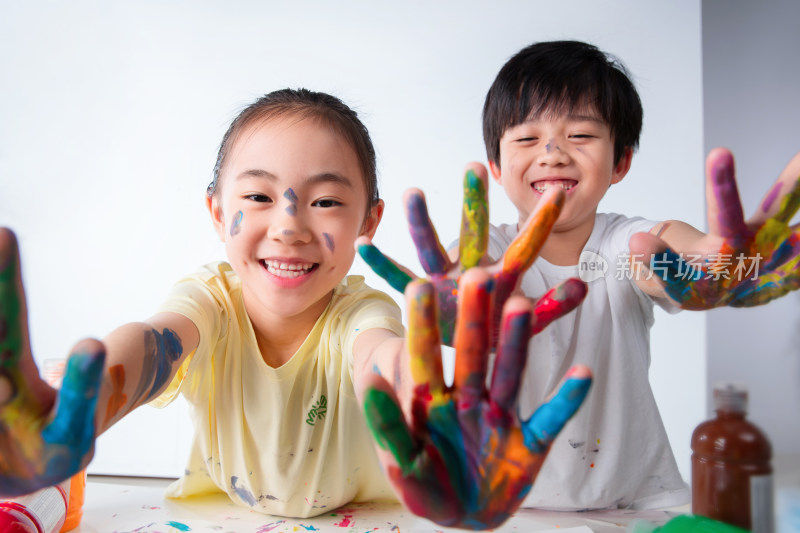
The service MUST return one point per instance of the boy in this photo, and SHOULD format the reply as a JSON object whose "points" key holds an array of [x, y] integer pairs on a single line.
{"points": [[565, 115]]}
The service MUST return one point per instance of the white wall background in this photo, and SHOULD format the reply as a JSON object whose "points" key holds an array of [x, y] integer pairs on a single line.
{"points": [[751, 86], [111, 114]]}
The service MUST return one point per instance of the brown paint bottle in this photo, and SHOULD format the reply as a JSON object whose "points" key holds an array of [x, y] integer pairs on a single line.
{"points": [[731, 470]]}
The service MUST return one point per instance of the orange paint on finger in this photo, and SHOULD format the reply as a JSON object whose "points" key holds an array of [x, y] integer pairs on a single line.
{"points": [[118, 398], [523, 251]]}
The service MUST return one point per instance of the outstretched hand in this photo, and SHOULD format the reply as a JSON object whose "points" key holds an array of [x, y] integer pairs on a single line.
{"points": [[464, 459], [739, 263], [444, 274], [40, 445]]}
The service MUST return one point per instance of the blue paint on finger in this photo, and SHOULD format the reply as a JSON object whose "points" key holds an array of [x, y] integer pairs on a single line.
{"points": [[544, 425]]}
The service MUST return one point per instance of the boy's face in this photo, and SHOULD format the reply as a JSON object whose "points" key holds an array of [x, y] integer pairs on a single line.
{"points": [[291, 202], [574, 152]]}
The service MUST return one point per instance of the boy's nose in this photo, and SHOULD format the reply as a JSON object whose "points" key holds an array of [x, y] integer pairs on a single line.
{"points": [[552, 154]]}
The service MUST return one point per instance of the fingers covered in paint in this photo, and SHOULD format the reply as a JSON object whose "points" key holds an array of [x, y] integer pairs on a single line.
{"points": [[512, 351], [430, 251], [739, 264], [423, 338], [725, 213], [37, 450], [522, 252], [474, 235], [472, 334], [557, 302], [547, 421], [395, 275], [464, 459]]}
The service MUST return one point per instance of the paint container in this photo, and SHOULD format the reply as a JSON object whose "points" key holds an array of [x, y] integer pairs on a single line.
{"points": [[52, 373], [43, 511], [731, 470], [683, 524]]}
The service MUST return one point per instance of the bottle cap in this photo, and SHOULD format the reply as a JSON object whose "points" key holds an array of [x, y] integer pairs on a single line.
{"points": [[731, 397]]}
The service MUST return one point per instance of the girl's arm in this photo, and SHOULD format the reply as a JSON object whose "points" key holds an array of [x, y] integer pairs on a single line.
{"points": [[458, 455], [141, 360], [47, 435], [738, 262]]}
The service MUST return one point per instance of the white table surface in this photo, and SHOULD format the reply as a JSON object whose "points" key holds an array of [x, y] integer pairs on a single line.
{"points": [[115, 504]]}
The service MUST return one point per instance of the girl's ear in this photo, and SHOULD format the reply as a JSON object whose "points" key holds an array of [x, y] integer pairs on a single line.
{"points": [[370, 225], [217, 217], [623, 166]]}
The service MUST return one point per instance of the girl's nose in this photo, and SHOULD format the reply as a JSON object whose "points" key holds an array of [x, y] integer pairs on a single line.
{"points": [[290, 225]]}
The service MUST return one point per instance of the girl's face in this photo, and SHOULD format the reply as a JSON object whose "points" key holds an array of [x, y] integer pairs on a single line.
{"points": [[291, 202]]}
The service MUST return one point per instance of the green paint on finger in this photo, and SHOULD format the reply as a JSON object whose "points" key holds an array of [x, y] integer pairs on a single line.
{"points": [[385, 421], [383, 267], [10, 331], [475, 220]]}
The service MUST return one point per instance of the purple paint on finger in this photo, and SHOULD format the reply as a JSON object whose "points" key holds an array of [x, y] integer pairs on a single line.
{"points": [[771, 197], [731, 215], [328, 241]]}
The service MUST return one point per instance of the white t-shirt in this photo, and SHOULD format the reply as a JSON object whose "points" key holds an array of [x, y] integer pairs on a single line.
{"points": [[614, 452], [288, 441]]}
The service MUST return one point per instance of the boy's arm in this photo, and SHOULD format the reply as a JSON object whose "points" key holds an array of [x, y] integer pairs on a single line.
{"points": [[739, 262], [459, 455], [47, 435], [444, 271]]}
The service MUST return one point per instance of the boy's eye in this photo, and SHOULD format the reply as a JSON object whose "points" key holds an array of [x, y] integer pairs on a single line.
{"points": [[582, 136], [255, 197], [526, 139], [326, 202]]}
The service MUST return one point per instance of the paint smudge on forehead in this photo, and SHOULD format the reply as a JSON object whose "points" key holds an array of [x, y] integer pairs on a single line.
{"points": [[236, 225], [329, 241], [292, 197]]}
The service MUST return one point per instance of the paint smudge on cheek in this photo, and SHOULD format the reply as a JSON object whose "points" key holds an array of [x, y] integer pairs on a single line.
{"points": [[329, 241], [292, 197], [236, 225]]}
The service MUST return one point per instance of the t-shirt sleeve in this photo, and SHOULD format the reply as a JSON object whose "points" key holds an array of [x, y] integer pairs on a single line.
{"points": [[368, 309]]}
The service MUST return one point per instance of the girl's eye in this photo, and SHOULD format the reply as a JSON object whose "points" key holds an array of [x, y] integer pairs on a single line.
{"points": [[326, 202], [258, 197], [526, 139], [582, 136]]}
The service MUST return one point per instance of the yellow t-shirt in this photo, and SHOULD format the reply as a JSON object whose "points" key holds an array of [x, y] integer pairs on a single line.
{"points": [[288, 441]]}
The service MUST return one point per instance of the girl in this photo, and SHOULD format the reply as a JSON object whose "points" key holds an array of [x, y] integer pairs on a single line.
{"points": [[270, 348]]}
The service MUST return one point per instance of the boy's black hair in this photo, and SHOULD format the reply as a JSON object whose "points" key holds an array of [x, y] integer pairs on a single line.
{"points": [[557, 77]]}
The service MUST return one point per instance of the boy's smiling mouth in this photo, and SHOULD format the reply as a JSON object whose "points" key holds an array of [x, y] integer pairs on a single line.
{"points": [[289, 270], [543, 185]]}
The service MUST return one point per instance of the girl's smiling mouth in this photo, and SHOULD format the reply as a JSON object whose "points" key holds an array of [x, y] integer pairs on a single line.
{"points": [[287, 269]]}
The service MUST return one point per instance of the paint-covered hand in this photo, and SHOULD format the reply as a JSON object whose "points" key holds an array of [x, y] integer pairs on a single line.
{"points": [[739, 263], [444, 274], [464, 459], [46, 436]]}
